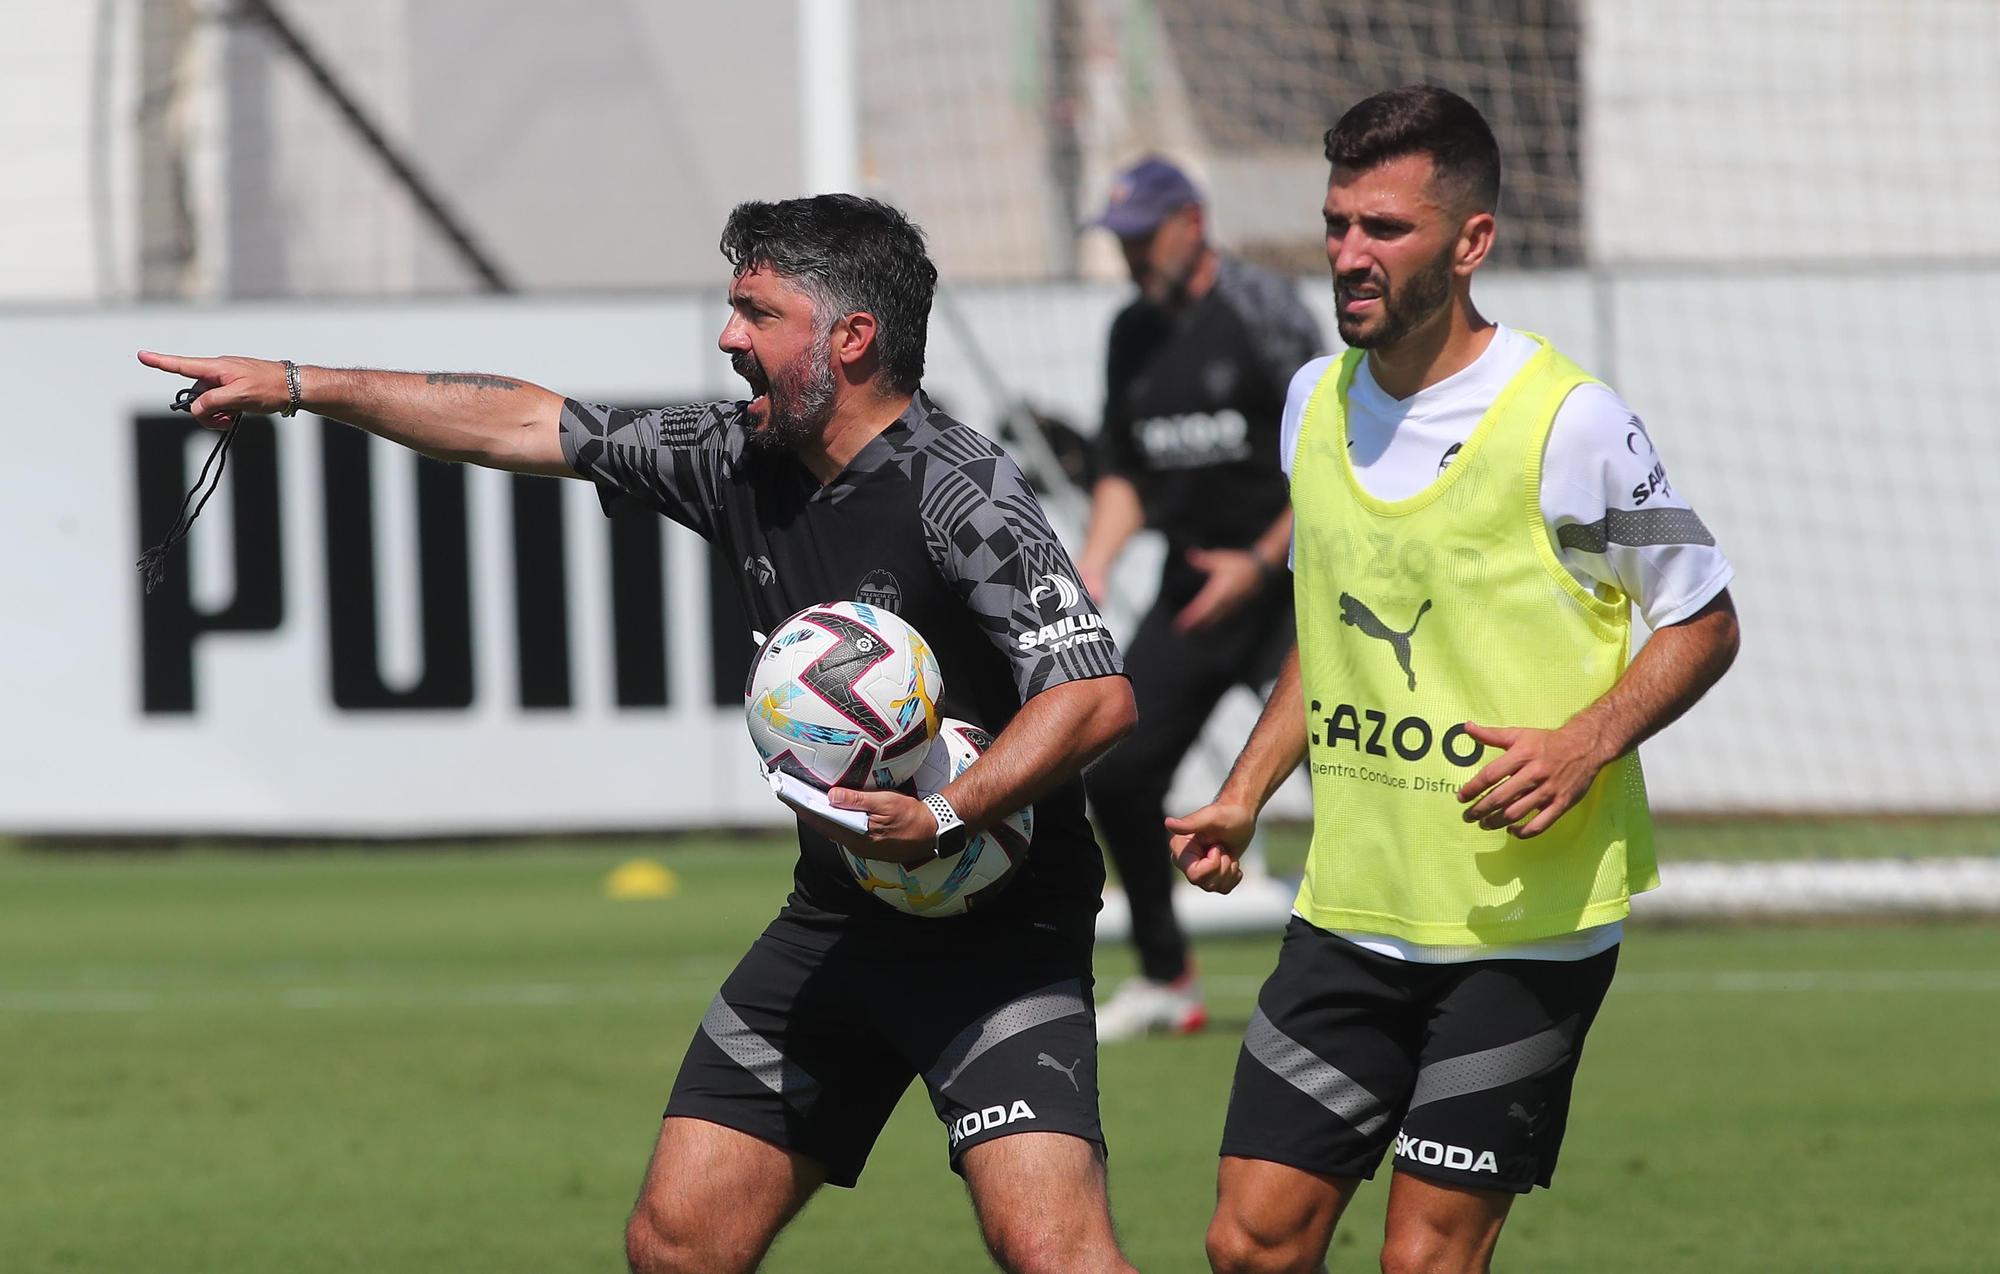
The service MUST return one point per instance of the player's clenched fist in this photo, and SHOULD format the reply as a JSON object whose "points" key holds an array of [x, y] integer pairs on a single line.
{"points": [[226, 387], [1208, 844]]}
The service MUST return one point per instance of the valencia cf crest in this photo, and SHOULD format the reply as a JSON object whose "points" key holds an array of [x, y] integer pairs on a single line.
{"points": [[879, 588]]}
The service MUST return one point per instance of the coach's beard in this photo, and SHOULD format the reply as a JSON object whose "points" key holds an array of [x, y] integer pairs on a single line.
{"points": [[1403, 309], [798, 399]]}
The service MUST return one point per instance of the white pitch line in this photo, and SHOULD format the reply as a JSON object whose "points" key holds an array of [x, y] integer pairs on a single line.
{"points": [[30, 1001], [1760, 981], [562, 995], [1768, 981], [310, 998]]}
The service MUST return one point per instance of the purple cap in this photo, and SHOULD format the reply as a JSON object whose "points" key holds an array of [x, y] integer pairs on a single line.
{"points": [[1144, 195]]}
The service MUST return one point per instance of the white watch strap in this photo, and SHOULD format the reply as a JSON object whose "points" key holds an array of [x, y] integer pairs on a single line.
{"points": [[947, 817]]}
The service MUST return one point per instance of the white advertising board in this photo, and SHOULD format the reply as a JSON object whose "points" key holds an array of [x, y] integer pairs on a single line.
{"points": [[360, 643]]}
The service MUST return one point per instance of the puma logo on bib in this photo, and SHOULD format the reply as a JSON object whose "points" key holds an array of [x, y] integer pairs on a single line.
{"points": [[1354, 611]]}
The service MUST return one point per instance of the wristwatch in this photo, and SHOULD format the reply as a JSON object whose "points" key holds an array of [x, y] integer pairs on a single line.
{"points": [[952, 833]]}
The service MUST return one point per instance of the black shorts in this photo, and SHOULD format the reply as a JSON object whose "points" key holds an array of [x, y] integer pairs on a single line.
{"points": [[1464, 1068], [810, 1046]]}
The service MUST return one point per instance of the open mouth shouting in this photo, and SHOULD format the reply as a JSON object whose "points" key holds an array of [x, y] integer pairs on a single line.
{"points": [[752, 373]]}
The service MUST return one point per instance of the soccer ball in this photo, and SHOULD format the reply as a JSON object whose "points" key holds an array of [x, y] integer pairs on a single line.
{"points": [[957, 882], [844, 695]]}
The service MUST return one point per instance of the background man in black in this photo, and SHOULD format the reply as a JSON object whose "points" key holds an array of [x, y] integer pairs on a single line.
{"points": [[1195, 387], [838, 475]]}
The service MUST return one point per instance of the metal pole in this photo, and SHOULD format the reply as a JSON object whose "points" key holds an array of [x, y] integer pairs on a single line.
{"points": [[829, 98], [447, 223]]}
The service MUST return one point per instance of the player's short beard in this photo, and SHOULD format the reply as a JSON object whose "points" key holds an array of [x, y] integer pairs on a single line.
{"points": [[1404, 309], [800, 395]]}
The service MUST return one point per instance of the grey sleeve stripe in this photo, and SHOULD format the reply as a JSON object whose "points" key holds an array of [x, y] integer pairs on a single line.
{"points": [[757, 1055], [1493, 1067], [960, 447], [667, 458], [1646, 526], [1312, 1075], [1058, 1000], [990, 541], [1080, 663], [950, 500], [1099, 659]]}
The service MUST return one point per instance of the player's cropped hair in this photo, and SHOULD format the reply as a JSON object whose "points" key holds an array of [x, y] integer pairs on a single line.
{"points": [[1422, 119], [850, 255]]}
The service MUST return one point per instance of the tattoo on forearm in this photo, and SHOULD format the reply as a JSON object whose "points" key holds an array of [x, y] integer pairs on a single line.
{"points": [[477, 380]]}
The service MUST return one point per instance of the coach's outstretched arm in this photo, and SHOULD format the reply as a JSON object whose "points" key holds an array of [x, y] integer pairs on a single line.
{"points": [[1208, 844], [472, 417]]}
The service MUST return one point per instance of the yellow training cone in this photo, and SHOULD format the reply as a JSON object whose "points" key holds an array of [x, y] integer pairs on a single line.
{"points": [[641, 878]]}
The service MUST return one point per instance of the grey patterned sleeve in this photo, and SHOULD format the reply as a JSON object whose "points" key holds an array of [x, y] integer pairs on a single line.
{"points": [[668, 458], [991, 542]]}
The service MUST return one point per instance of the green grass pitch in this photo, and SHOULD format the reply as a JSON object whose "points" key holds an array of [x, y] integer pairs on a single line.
{"points": [[452, 1060]]}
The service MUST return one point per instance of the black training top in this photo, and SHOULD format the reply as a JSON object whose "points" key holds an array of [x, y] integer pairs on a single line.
{"points": [[931, 520], [1193, 405]]}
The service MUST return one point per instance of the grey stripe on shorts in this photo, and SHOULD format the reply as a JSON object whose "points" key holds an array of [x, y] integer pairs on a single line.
{"points": [[1494, 1067], [1051, 1003], [1312, 1075], [757, 1055]]}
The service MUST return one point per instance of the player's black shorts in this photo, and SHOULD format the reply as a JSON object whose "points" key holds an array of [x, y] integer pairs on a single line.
{"points": [[1465, 1069], [810, 1047]]}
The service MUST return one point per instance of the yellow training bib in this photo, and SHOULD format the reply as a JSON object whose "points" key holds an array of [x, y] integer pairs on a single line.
{"points": [[1416, 616]]}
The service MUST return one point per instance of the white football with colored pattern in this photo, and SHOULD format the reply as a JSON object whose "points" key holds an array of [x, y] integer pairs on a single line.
{"points": [[844, 695]]}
